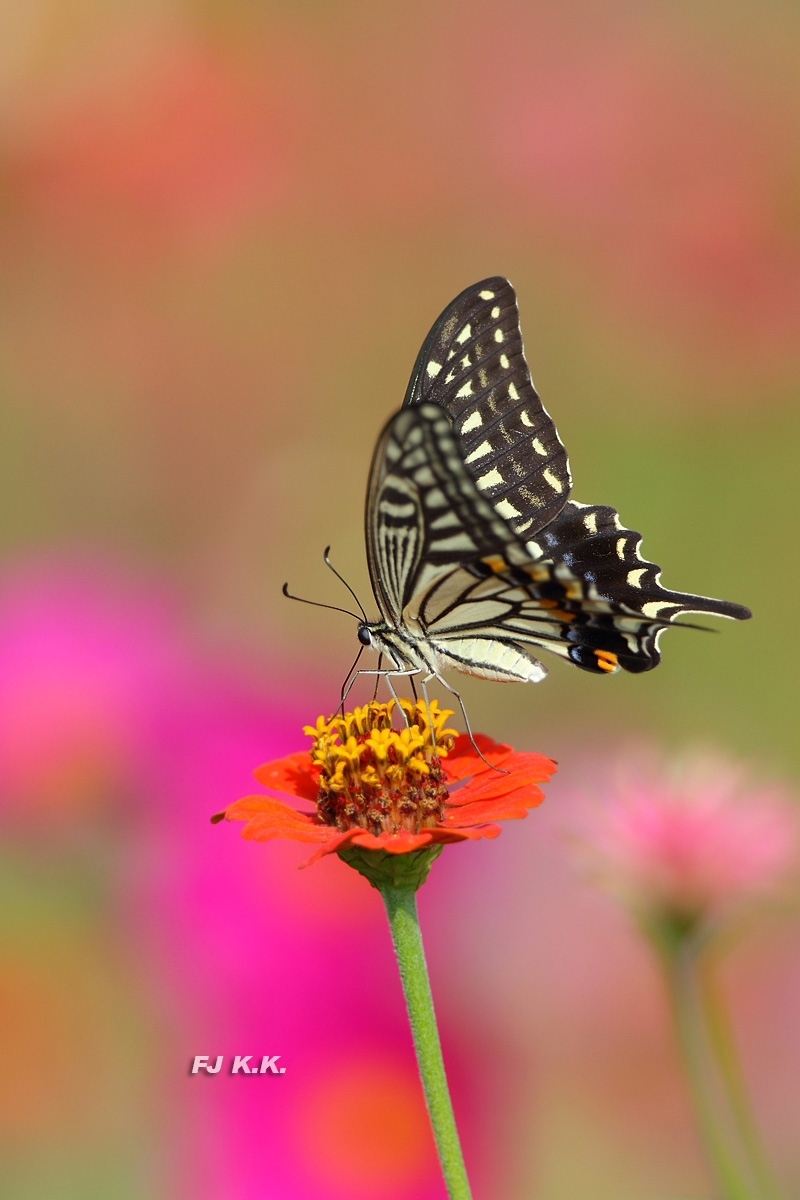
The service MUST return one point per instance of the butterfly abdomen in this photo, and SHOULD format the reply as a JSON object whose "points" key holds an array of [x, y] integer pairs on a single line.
{"points": [[489, 658]]}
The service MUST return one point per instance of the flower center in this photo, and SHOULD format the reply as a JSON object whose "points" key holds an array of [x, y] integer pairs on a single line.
{"points": [[378, 778]]}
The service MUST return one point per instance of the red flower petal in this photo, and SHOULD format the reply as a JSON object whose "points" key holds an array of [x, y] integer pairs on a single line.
{"points": [[394, 843], [401, 843], [268, 818], [523, 769], [513, 804], [294, 774], [463, 761], [334, 842], [472, 835], [404, 843]]}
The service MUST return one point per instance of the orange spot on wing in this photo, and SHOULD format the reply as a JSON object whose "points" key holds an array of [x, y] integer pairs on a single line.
{"points": [[606, 661]]}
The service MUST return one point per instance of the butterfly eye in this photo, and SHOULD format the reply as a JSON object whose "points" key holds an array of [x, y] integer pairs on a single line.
{"points": [[364, 635]]}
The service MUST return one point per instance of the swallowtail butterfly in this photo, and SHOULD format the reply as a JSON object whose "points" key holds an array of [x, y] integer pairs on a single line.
{"points": [[477, 555]]}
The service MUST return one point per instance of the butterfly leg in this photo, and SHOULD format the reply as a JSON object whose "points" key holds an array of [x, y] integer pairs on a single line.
{"points": [[423, 683], [390, 686], [385, 674], [457, 695], [377, 678], [347, 677]]}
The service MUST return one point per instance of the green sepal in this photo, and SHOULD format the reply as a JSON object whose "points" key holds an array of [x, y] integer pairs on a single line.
{"points": [[404, 871]]}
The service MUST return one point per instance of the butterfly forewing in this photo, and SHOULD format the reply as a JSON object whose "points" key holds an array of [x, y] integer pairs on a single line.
{"points": [[455, 577], [472, 365]]}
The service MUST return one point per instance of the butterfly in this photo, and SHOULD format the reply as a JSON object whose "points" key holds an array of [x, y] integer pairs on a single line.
{"points": [[478, 557]]}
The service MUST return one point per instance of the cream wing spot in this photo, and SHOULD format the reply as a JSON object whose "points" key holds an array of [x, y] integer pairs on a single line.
{"points": [[479, 452], [506, 509], [590, 522], [446, 521], [504, 363], [459, 541], [398, 510], [512, 391], [654, 607], [466, 390], [465, 335], [424, 477], [490, 479], [553, 480], [486, 295], [473, 421], [635, 577], [526, 419], [621, 544], [495, 312], [541, 449], [433, 368], [499, 336]]}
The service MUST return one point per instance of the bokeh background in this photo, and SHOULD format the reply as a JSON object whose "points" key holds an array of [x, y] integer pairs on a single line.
{"points": [[225, 230]]}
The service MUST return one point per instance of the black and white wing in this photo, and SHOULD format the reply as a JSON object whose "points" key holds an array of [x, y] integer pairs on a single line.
{"points": [[457, 583], [472, 365], [424, 513], [599, 564]]}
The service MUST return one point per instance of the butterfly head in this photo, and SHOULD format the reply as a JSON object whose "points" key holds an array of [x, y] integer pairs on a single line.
{"points": [[364, 634]]}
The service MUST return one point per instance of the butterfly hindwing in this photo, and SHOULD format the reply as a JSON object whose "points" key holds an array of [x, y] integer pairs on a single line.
{"points": [[451, 574], [601, 563], [473, 366]]}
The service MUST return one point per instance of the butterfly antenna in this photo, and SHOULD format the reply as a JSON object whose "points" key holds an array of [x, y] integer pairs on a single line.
{"points": [[341, 578], [317, 604]]}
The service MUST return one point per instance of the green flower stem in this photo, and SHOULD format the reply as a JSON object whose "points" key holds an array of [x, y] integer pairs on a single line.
{"points": [[401, 908], [724, 1047], [687, 1009]]}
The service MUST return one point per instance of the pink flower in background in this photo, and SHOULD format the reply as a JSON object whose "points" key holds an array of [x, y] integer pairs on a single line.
{"points": [[686, 843], [88, 655]]}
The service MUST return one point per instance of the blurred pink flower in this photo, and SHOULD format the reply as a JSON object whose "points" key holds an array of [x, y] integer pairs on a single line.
{"points": [[685, 844], [119, 735], [88, 654]]}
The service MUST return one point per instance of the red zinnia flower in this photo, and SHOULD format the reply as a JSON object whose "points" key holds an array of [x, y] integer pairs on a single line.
{"points": [[381, 789]]}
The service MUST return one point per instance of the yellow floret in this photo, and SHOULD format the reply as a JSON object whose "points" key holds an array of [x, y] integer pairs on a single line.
{"points": [[361, 749]]}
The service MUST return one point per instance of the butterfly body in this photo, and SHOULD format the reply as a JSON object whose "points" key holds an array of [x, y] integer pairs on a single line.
{"points": [[478, 557]]}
